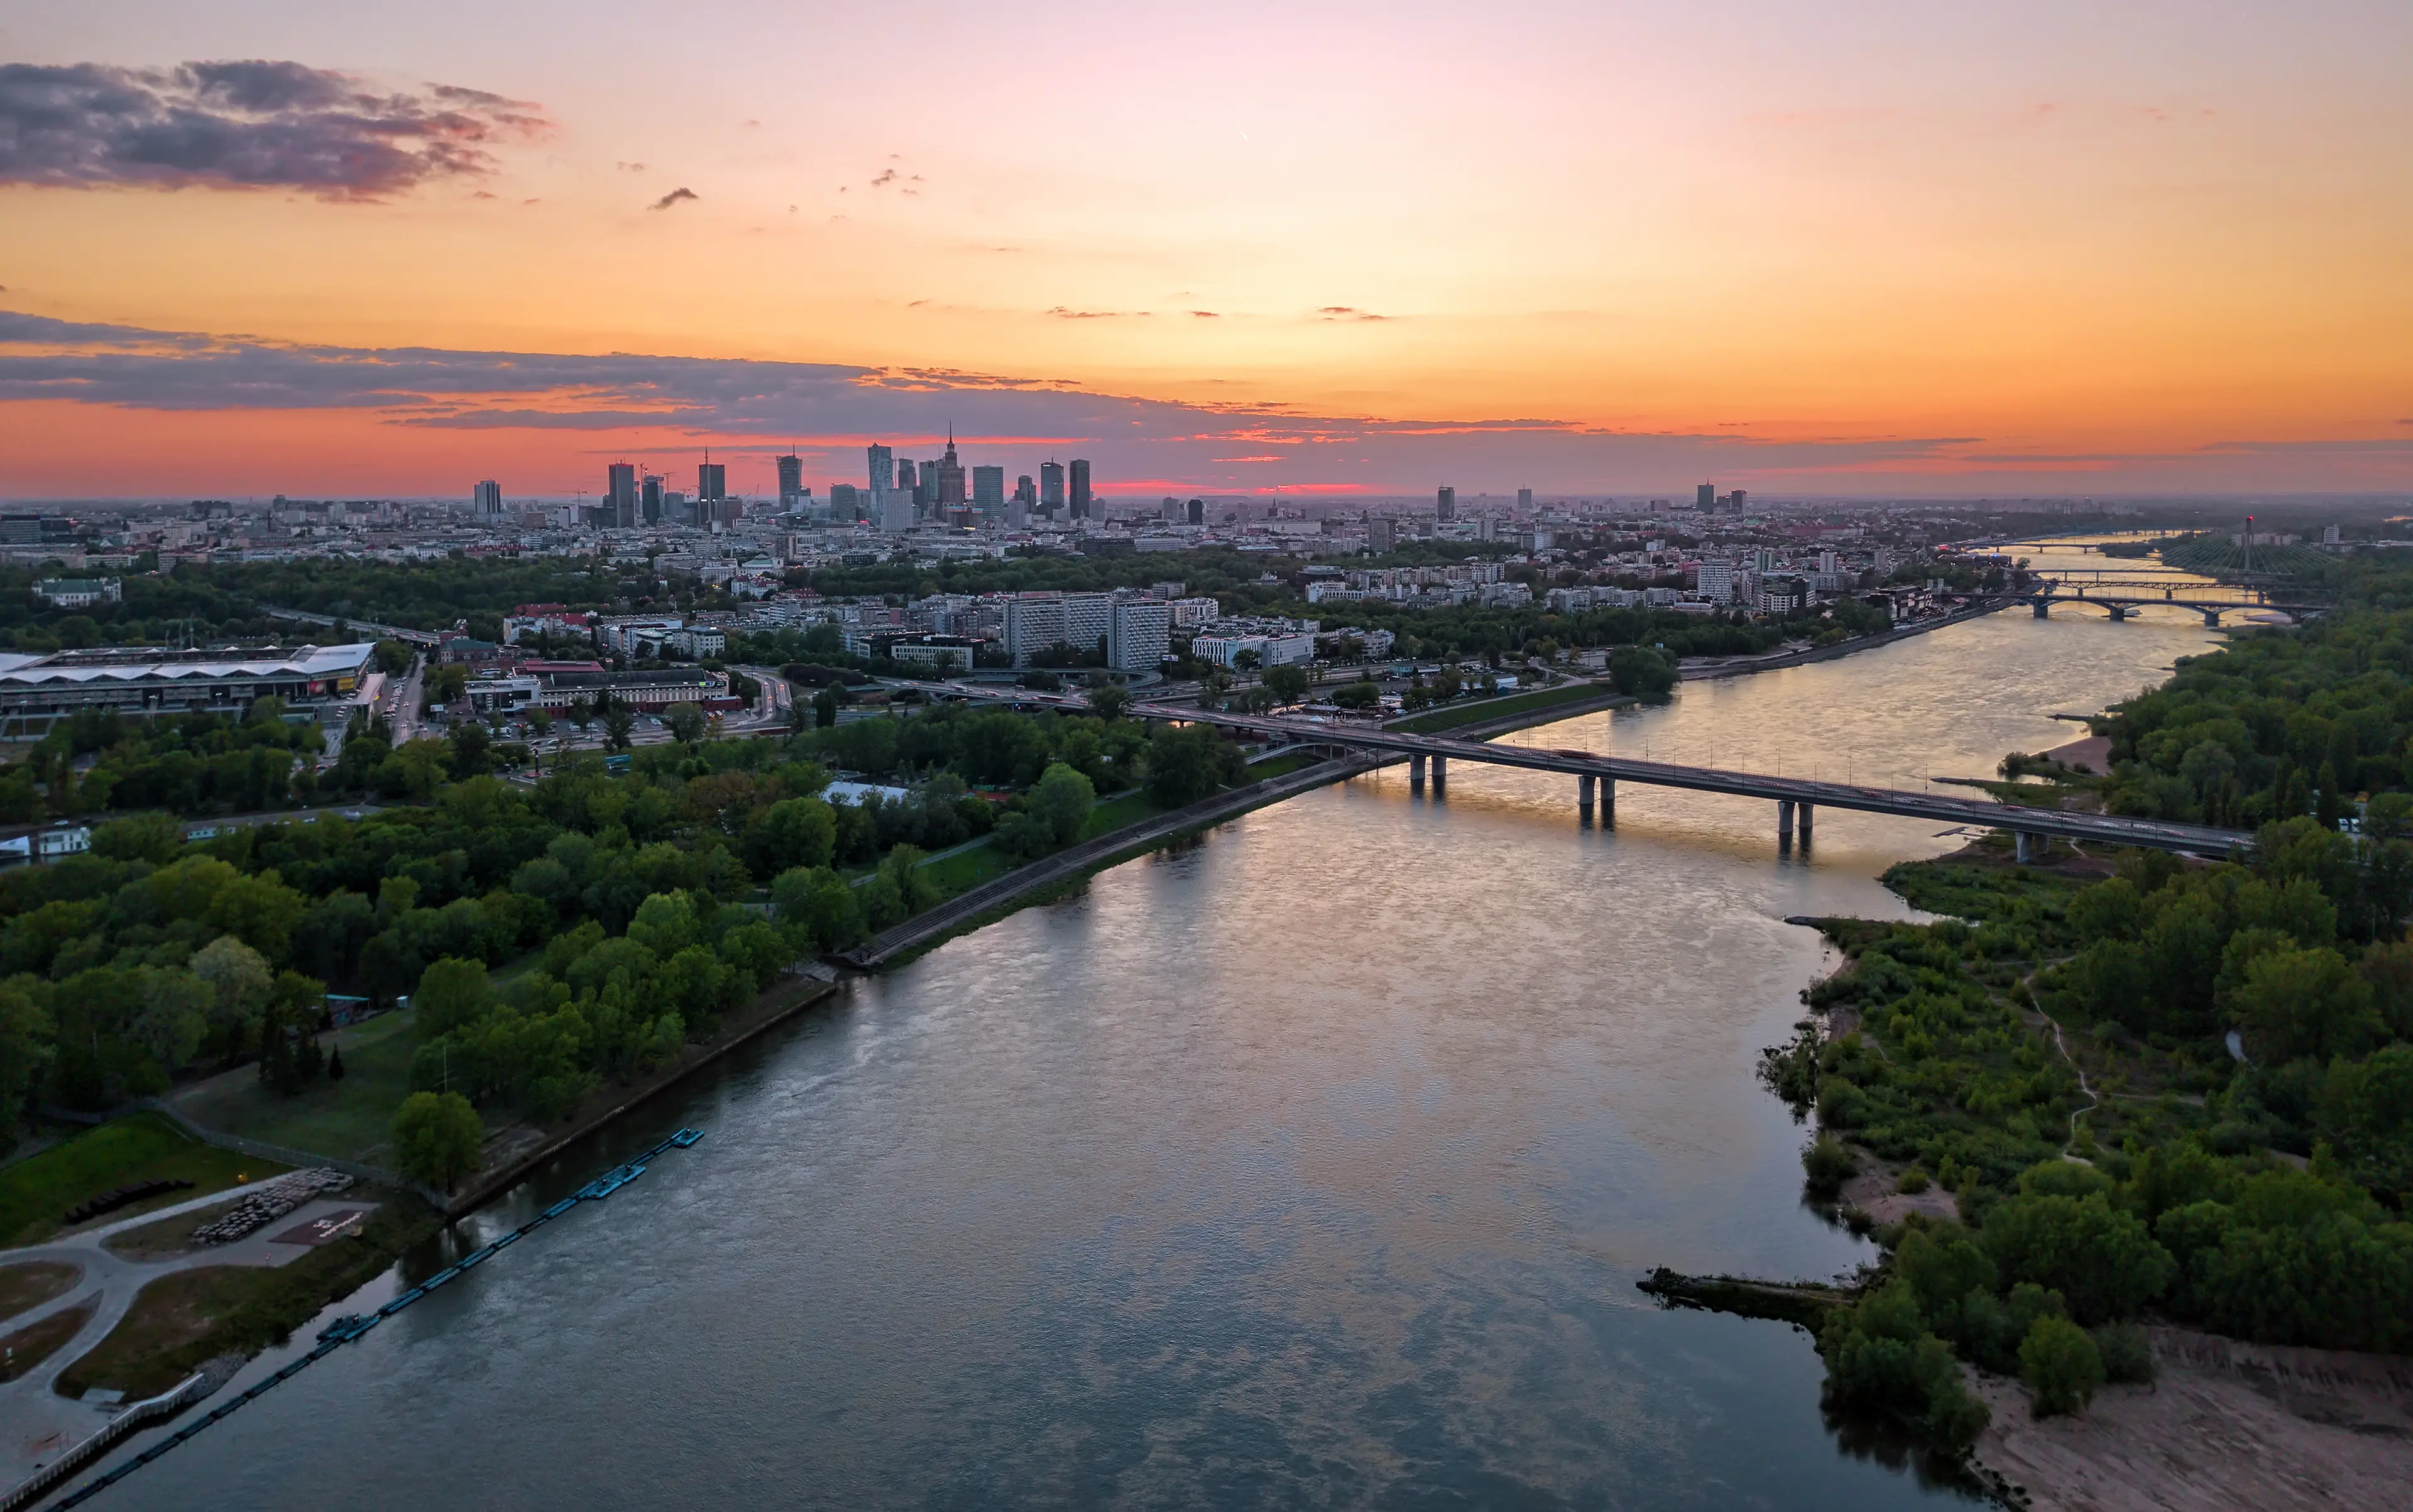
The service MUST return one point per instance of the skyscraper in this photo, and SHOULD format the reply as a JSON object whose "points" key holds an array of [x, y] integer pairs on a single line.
{"points": [[1705, 496], [1051, 486], [649, 499], [711, 482], [791, 480], [1445, 505], [988, 491], [1525, 501], [486, 499], [1197, 512], [1738, 500], [620, 495], [911, 483], [883, 468], [1081, 495], [950, 491]]}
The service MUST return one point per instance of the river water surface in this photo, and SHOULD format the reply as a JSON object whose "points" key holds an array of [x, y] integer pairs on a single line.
{"points": [[1311, 1165]]}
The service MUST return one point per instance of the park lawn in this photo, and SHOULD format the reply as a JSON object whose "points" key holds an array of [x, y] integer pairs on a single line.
{"points": [[37, 1191], [1283, 765], [31, 1284], [29, 1346], [1493, 708], [349, 1119], [1119, 814], [967, 868]]}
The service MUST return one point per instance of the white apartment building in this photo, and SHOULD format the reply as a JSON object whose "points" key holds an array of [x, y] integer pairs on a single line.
{"points": [[1141, 636], [1272, 650], [1716, 581]]}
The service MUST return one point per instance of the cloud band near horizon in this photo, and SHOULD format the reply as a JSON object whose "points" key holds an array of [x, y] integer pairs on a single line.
{"points": [[651, 403]]}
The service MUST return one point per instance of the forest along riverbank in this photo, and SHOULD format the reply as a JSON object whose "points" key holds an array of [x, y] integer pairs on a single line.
{"points": [[2136, 1135]]}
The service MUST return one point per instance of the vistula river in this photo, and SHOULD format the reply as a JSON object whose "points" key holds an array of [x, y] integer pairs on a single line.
{"points": [[1311, 1164]]}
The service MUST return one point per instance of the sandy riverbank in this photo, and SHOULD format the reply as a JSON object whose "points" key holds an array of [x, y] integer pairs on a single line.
{"points": [[2228, 1426]]}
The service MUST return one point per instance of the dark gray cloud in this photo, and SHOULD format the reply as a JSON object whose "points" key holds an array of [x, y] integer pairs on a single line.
{"points": [[243, 124], [1235, 445], [674, 197]]}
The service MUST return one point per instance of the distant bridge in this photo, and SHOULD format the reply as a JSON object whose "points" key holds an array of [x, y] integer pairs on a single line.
{"points": [[2122, 597]]}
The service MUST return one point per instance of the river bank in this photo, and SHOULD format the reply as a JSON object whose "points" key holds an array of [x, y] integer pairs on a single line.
{"points": [[1740, 666]]}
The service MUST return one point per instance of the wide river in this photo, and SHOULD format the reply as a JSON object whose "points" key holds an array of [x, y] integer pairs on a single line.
{"points": [[1311, 1165]]}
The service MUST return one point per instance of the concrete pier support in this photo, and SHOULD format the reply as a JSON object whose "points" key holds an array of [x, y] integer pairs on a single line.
{"points": [[2043, 608], [1416, 772], [1807, 809], [2212, 619], [1785, 824], [2022, 847], [1585, 783], [1439, 772], [1608, 800]]}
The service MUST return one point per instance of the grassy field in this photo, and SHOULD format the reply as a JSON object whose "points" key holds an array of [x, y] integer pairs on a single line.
{"points": [[37, 1191], [1119, 814], [31, 1284], [965, 869], [1493, 708], [346, 1118], [1283, 765], [27, 1347]]}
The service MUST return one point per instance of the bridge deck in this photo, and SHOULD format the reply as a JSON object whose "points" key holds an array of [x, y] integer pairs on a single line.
{"points": [[1983, 813]]}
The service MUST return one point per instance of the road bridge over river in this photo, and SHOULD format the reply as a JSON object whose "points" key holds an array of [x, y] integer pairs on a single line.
{"points": [[1797, 799]]}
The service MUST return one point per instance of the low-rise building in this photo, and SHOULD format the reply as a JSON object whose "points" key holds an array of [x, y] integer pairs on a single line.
{"points": [[79, 592]]}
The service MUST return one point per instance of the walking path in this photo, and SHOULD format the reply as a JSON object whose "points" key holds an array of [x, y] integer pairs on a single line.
{"points": [[35, 1420]]}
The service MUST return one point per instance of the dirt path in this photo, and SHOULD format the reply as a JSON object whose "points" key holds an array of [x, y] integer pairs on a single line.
{"points": [[2229, 1426]]}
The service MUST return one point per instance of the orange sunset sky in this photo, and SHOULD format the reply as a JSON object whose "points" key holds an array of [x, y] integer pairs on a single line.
{"points": [[1841, 248]]}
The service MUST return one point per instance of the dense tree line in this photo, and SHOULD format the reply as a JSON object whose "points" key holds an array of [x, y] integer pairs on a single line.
{"points": [[2258, 1190]]}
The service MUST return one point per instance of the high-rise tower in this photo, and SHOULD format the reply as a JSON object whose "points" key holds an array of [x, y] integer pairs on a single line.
{"points": [[620, 495], [883, 468], [1082, 497]]}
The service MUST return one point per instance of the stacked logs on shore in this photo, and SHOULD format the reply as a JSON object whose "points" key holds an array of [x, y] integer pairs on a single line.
{"points": [[116, 1197], [271, 1202]]}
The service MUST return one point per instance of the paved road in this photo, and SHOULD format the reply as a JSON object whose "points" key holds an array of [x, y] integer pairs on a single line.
{"points": [[35, 1420]]}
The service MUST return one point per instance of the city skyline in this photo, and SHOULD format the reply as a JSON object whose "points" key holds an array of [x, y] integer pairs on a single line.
{"points": [[1863, 250]]}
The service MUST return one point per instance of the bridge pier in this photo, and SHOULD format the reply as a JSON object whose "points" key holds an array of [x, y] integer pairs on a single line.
{"points": [[2119, 612], [1608, 802], [2043, 608], [1440, 774], [1416, 774], [2024, 847], [1585, 783], [1807, 809], [1785, 824], [2212, 619]]}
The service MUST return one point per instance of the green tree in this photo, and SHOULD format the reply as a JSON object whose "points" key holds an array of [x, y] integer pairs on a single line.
{"points": [[1188, 762], [1109, 699], [1061, 801], [1880, 1354], [618, 723], [794, 832], [2305, 1002], [2061, 1365], [153, 837], [1641, 673], [26, 1051], [472, 750], [1287, 682], [819, 901], [452, 993], [437, 1137], [684, 721], [665, 923], [2101, 1258]]}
